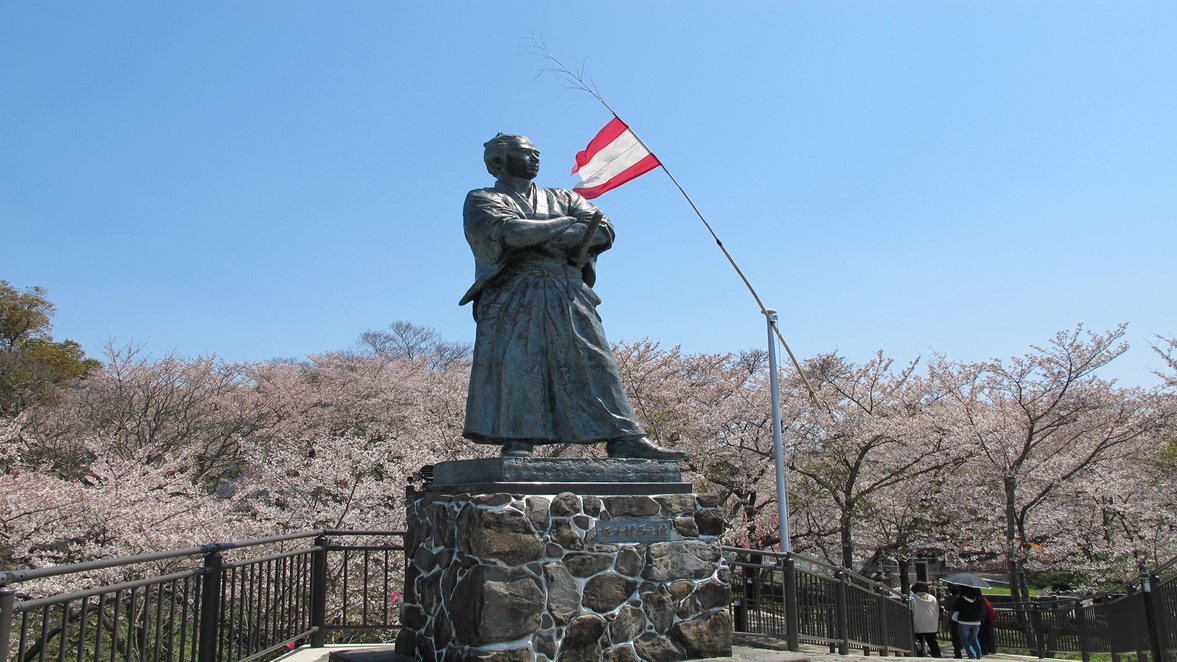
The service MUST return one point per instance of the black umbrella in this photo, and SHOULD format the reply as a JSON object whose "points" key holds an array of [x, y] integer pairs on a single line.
{"points": [[966, 579]]}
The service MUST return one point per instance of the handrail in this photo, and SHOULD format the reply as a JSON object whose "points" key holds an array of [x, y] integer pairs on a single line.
{"points": [[862, 579], [9, 577], [1171, 564], [360, 532], [29, 605]]}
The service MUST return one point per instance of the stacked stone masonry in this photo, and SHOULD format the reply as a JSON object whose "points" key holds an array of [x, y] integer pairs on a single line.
{"points": [[510, 577]]}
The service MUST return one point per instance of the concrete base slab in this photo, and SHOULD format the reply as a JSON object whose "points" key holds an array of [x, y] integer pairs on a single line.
{"points": [[382, 654]]}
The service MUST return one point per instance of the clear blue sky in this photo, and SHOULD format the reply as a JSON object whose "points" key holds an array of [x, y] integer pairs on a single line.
{"points": [[270, 179]]}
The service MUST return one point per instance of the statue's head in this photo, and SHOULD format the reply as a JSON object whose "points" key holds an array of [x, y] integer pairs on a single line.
{"points": [[504, 145]]}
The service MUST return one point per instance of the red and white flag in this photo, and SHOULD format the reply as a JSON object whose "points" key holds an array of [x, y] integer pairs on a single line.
{"points": [[614, 157]]}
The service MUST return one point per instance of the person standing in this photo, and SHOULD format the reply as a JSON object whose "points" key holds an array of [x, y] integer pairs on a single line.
{"points": [[988, 637], [948, 606], [968, 610], [925, 619]]}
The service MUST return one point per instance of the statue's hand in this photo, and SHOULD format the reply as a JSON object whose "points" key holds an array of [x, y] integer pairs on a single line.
{"points": [[571, 237]]}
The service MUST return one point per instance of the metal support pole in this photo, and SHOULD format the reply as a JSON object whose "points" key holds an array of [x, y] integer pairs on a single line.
{"points": [[319, 593], [841, 612], [7, 613], [884, 629], [1081, 629], [1150, 616], [792, 605], [739, 614], [210, 608], [782, 501]]}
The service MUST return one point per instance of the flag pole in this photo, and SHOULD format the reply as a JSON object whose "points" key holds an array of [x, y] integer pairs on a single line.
{"points": [[579, 81], [782, 481]]}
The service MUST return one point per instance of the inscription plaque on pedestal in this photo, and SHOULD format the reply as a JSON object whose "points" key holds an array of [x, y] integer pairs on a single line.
{"points": [[635, 530]]}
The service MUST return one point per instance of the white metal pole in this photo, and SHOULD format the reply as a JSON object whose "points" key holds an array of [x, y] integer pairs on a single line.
{"points": [[782, 502]]}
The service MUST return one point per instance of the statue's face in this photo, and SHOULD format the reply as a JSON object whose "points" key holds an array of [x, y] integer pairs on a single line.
{"points": [[523, 160]]}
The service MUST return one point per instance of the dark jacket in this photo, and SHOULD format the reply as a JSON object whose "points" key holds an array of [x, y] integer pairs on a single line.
{"points": [[969, 610]]}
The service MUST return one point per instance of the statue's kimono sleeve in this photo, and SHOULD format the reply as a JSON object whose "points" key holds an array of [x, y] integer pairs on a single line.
{"points": [[496, 228], [577, 206]]}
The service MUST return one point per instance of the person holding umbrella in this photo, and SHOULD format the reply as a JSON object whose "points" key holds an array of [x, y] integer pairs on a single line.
{"points": [[968, 610]]}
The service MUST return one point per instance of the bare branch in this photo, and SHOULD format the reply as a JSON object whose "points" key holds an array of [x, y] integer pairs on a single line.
{"points": [[578, 79]]}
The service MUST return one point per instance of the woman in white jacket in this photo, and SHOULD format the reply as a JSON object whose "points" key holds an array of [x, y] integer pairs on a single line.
{"points": [[925, 619]]}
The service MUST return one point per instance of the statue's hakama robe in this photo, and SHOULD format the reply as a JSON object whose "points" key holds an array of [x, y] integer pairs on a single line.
{"points": [[543, 371]]}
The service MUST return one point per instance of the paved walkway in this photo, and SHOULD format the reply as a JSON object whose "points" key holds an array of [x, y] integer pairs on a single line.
{"points": [[747, 648]]}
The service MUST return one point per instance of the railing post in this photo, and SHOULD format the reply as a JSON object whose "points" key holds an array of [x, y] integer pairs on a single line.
{"points": [[1037, 628], [1150, 616], [881, 604], [843, 618], [1081, 630], [739, 614], [319, 593], [7, 612], [739, 600], [210, 608], [792, 606]]}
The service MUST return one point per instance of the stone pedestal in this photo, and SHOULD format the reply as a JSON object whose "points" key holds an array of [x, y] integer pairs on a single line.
{"points": [[575, 575]]}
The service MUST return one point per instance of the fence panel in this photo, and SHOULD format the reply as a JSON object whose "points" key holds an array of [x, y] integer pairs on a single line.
{"points": [[1038, 628], [213, 610], [758, 601], [141, 621], [900, 636], [365, 578], [864, 626], [265, 603], [833, 608], [345, 586], [816, 607], [1165, 600]]}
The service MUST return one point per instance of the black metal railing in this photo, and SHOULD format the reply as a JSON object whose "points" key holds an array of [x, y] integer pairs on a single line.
{"points": [[803, 600], [243, 601], [1138, 618], [235, 601]]}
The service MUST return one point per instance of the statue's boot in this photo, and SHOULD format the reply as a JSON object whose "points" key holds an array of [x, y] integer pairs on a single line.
{"points": [[641, 448], [517, 449]]}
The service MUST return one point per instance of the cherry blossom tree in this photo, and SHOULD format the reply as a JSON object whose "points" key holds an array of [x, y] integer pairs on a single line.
{"points": [[1040, 422], [173, 452], [144, 407], [148, 454], [123, 505], [716, 406], [876, 454]]}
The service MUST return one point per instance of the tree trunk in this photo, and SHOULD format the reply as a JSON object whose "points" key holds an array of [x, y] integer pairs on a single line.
{"points": [[1013, 552], [844, 523]]}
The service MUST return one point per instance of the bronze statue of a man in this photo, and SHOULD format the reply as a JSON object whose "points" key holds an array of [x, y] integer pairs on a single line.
{"points": [[543, 372]]}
